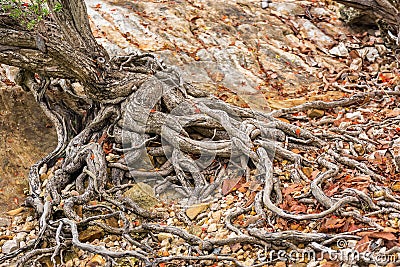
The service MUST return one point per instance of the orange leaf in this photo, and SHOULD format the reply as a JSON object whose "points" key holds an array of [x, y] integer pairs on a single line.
{"points": [[334, 223], [230, 185], [383, 235], [363, 244], [298, 132], [284, 120]]}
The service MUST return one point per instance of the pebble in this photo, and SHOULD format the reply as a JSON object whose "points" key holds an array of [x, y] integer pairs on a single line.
{"points": [[9, 246], [165, 243], [226, 250], [28, 226], [163, 236], [216, 215], [4, 222], [315, 113], [212, 228], [196, 209], [20, 236]]}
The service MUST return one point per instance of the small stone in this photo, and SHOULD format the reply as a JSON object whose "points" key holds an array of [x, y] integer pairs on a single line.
{"points": [[163, 236], [217, 215], [215, 206], [165, 243], [43, 169], [236, 247], [339, 50], [9, 246], [212, 228], [69, 263], [226, 250], [21, 236], [249, 262], [379, 193], [143, 195], [195, 230], [359, 148], [91, 233], [265, 4], [4, 222], [196, 209], [315, 113]]}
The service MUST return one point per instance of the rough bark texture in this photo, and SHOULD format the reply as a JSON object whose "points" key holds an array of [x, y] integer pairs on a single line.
{"points": [[387, 10]]}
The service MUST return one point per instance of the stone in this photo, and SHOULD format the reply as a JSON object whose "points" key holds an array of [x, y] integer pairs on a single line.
{"points": [[196, 209], [28, 226], [4, 222], [339, 50], [315, 113], [21, 236], [212, 228], [165, 243], [312, 32], [9, 246], [163, 236], [249, 262], [195, 230], [226, 250], [143, 195], [91, 233]]}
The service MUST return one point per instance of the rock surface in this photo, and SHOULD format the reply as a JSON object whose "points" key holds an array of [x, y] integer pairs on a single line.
{"points": [[9, 246], [259, 55], [143, 195]]}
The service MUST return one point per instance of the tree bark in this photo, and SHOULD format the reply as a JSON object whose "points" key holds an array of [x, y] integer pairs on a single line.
{"points": [[387, 10]]}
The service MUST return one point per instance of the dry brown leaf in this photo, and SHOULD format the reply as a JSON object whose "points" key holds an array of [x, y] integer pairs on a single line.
{"points": [[15, 211], [333, 223], [363, 244], [229, 185], [383, 235]]}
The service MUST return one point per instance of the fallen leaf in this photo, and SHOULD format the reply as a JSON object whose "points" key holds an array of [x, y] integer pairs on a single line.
{"points": [[333, 223], [383, 235], [363, 244], [230, 185], [15, 211]]}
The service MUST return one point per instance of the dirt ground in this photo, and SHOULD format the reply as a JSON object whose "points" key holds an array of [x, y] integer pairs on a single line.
{"points": [[25, 136]]}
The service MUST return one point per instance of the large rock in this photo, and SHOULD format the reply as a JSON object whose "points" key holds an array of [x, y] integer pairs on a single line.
{"points": [[226, 47]]}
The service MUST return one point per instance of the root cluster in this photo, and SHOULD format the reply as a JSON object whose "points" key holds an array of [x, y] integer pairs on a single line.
{"points": [[181, 140]]}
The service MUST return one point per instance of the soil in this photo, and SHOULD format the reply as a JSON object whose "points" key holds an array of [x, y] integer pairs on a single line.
{"points": [[25, 136]]}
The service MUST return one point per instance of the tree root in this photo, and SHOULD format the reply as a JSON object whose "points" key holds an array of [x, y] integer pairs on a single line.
{"points": [[169, 135]]}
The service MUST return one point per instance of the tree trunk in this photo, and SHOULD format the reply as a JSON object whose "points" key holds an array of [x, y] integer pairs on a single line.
{"points": [[387, 10]]}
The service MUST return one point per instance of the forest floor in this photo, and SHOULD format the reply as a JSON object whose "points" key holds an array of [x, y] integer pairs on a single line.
{"points": [[288, 54]]}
